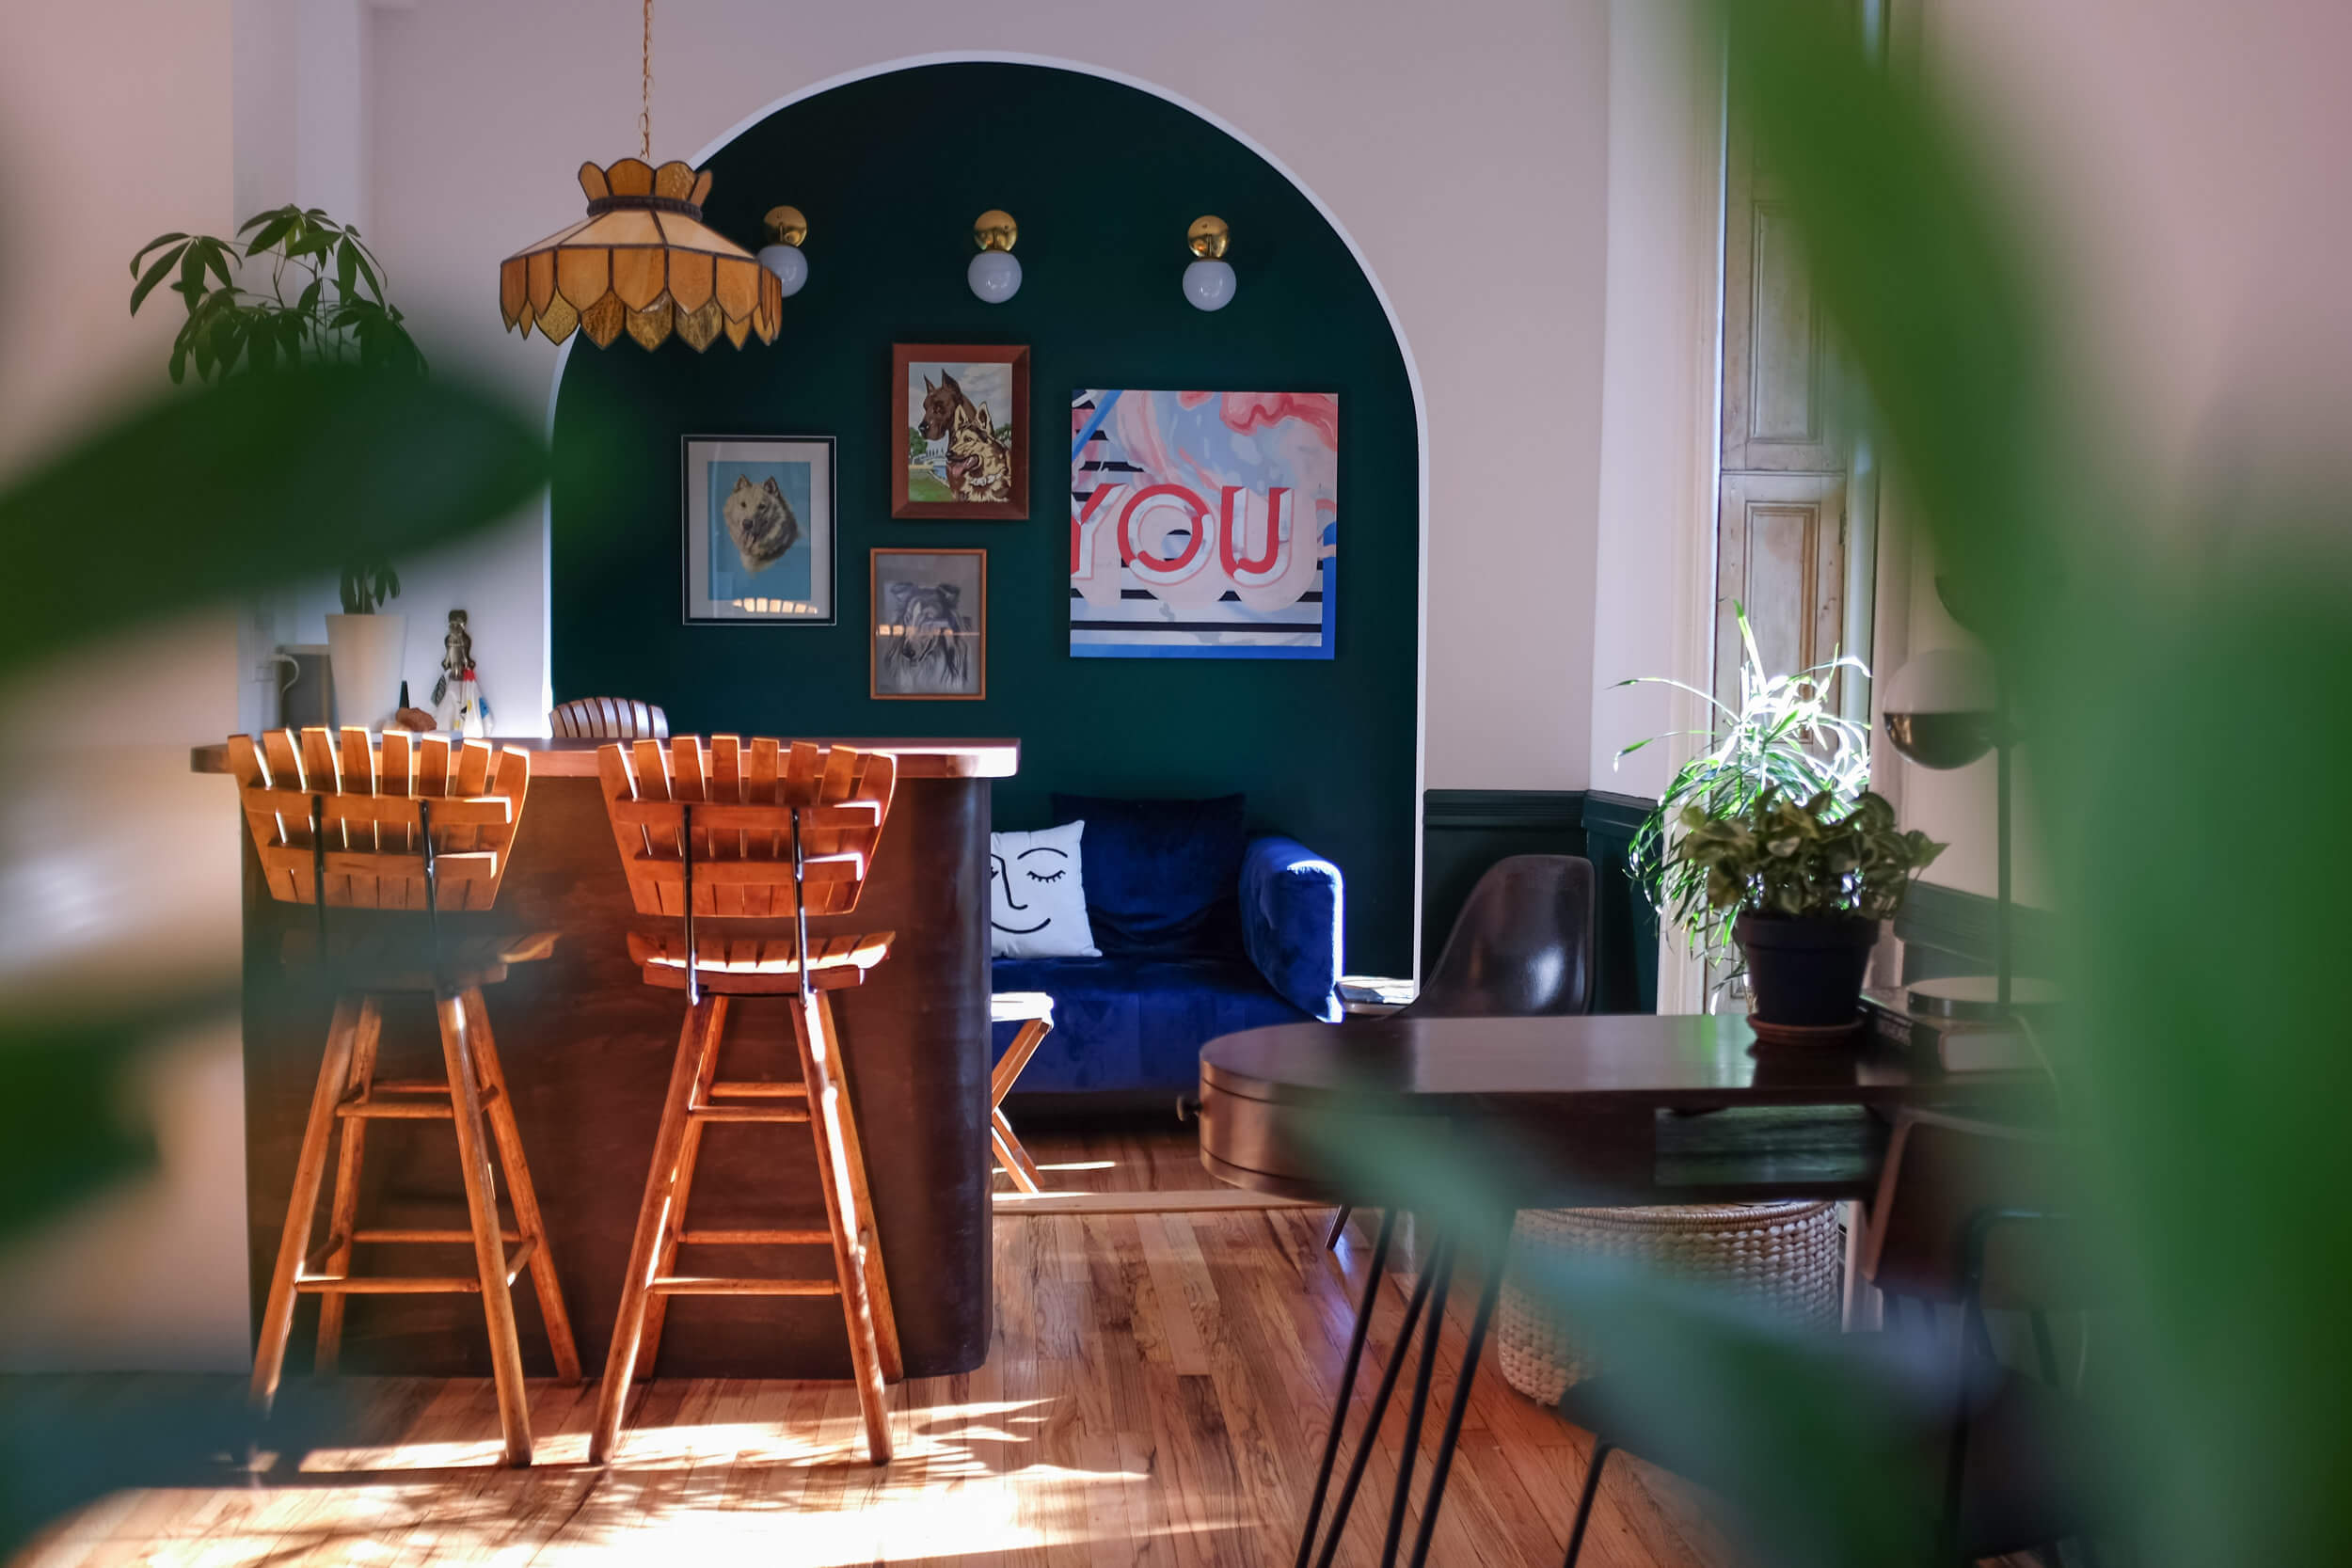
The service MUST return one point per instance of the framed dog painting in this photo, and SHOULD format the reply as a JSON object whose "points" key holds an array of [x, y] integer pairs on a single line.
{"points": [[960, 422], [758, 530], [929, 625]]}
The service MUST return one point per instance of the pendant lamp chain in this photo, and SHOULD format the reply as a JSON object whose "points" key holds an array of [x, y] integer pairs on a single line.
{"points": [[645, 109]]}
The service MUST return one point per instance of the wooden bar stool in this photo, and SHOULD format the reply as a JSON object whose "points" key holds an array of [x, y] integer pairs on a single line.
{"points": [[732, 833], [408, 826], [1034, 1011]]}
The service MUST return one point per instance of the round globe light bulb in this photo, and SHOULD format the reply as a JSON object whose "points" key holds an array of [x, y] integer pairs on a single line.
{"points": [[994, 276], [1209, 284], [788, 263], [1940, 707]]}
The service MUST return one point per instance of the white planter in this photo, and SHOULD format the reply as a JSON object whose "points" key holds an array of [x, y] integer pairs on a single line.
{"points": [[365, 652]]}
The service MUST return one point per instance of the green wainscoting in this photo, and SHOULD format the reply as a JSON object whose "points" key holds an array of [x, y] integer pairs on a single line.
{"points": [[1466, 830], [1947, 932], [1104, 180]]}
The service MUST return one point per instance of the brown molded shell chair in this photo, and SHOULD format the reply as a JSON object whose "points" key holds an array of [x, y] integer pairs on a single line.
{"points": [[1522, 946]]}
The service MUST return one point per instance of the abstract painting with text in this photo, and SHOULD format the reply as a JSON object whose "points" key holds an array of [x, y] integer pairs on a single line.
{"points": [[1203, 525]]}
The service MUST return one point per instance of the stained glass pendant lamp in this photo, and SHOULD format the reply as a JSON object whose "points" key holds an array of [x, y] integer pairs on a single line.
{"points": [[641, 261]]}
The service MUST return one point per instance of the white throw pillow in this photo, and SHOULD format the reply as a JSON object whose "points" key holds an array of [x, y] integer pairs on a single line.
{"points": [[1037, 901]]}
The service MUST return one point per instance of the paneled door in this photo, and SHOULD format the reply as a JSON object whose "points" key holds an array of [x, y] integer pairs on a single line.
{"points": [[1780, 550], [1781, 501]]}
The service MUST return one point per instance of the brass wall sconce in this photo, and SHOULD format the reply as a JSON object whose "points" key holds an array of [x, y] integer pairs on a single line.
{"points": [[783, 255], [995, 274], [1209, 282]]}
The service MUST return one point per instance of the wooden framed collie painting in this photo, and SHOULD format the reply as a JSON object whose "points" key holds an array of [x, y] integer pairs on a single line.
{"points": [[960, 418], [929, 624]]}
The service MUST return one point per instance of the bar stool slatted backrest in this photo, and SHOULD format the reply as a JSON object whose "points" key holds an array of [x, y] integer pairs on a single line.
{"points": [[405, 824], [352, 817], [745, 799], [728, 833], [609, 719]]}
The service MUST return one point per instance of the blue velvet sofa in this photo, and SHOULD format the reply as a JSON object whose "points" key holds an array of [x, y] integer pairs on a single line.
{"points": [[1203, 930]]}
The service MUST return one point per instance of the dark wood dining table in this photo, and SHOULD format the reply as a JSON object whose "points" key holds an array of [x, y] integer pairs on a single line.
{"points": [[1543, 1113]]}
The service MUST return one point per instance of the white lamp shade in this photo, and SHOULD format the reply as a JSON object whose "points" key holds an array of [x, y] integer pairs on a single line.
{"points": [[994, 276], [789, 265], [1209, 284], [1940, 707], [1943, 680]]}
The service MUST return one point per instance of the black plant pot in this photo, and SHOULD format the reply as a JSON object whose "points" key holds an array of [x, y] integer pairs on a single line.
{"points": [[1806, 972]]}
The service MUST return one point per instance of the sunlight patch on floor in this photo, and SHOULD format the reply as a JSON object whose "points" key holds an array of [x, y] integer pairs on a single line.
{"points": [[840, 1514]]}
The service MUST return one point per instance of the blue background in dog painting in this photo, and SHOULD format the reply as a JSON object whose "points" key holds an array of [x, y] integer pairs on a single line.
{"points": [[787, 575]]}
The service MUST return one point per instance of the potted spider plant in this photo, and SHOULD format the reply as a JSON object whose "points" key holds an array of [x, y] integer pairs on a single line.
{"points": [[1806, 887], [325, 305], [1783, 733]]}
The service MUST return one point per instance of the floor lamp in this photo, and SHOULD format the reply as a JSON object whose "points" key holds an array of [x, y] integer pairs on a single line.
{"points": [[1944, 710]]}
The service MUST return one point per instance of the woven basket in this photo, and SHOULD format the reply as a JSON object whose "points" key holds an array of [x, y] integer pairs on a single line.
{"points": [[1785, 1258]]}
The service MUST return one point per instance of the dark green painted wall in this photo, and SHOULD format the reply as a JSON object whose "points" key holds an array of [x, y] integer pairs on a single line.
{"points": [[1104, 180], [1466, 830]]}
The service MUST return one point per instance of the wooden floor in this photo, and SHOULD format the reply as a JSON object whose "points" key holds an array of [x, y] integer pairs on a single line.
{"points": [[1155, 1394]]}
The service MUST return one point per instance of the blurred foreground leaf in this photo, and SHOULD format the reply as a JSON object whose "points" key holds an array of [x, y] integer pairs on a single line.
{"points": [[65, 1132], [203, 496], [1802, 1439], [2174, 665], [68, 1440], [197, 497], [2178, 669]]}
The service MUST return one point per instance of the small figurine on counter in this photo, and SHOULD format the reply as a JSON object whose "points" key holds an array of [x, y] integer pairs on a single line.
{"points": [[457, 698]]}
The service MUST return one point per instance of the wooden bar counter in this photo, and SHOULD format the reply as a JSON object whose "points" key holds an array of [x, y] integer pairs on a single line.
{"points": [[588, 1048]]}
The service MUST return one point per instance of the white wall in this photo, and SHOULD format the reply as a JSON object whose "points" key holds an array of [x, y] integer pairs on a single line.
{"points": [[1652, 593], [107, 844], [1470, 165]]}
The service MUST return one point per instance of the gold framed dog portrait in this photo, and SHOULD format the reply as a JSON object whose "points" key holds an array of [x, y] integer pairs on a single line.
{"points": [[960, 421], [929, 627]]}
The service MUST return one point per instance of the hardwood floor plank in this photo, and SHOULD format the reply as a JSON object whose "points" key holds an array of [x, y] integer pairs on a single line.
{"points": [[1155, 1397], [1179, 1322]]}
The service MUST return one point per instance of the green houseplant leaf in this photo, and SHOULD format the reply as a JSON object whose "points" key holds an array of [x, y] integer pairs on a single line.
{"points": [[1784, 735], [1826, 859]]}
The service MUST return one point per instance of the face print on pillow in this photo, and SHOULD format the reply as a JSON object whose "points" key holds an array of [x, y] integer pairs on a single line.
{"points": [[1036, 906]]}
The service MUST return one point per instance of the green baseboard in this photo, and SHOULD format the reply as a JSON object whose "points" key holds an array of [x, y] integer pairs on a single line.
{"points": [[1466, 830]]}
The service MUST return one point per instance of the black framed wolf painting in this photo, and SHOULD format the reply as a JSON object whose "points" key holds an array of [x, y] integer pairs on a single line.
{"points": [[959, 430], [929, 625], [758, 530]]}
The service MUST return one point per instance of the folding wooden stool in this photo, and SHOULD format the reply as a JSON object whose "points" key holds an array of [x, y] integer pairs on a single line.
{"points": [[408, 826], [1034, 1011], [729, 833]]}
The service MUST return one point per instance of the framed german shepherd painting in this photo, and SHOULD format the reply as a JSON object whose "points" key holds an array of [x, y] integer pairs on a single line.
{"points": [[757, 534], [929, 628], [960, 421]]}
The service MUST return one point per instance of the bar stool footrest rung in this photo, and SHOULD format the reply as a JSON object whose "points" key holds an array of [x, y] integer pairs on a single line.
{"points": [[793, 1114], [703, 1285], [389, 1285]]}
